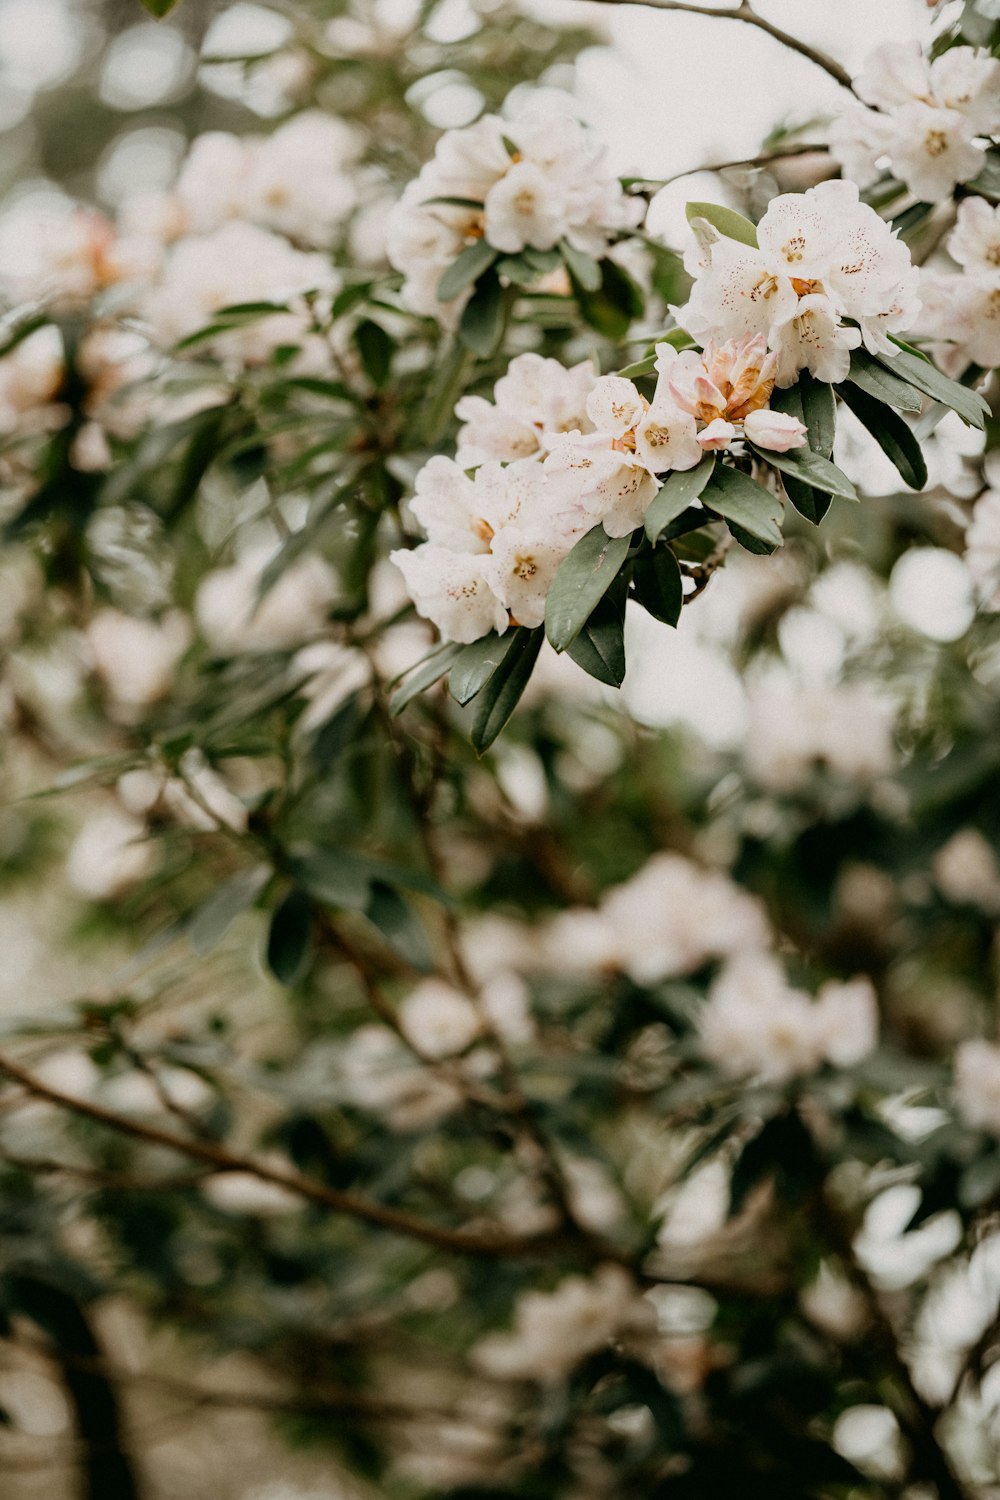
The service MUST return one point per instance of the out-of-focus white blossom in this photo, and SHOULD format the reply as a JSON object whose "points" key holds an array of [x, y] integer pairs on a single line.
{"points": [[977, 1085], [377, 1073], [136, 658], [966, 871], [791, 730], [65, 254], [31, 377], [235, 615], [525, 182], [438, 1020], [928, 120], [553, 1331], [755, 1024], [109, 856], [982, 548], [822, 257]]}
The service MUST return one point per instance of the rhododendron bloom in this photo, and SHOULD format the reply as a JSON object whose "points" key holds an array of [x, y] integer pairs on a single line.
{"points": [[975, 240], [775, 430], [728, 387], [536, 396]]}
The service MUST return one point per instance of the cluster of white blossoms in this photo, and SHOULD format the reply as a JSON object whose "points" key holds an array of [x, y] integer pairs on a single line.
{"points": [[526, 182], [821, 257], [755, 1024], [930, 118], [560, 451], [961, 312], [977, 1085], [982, 548], [670, 919], [847, 728], [553, 1331]]}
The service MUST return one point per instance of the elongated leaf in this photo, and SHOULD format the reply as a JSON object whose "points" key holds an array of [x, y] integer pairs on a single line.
{"points": [[376, 348], [819, 412], [676, 494], [424, 675], [810, 503], [726, 220], [646, 366], [501, 694], [612, 307], [160, 8], [969, 405], [811, 468], [399, 925], [475, 664], [738, 498], [600, 647], [583, 578], [216, 915], [896, 440], [465, 269], [583, 268], [656, 579], [875, 379], [481, 325], [289, 938]]}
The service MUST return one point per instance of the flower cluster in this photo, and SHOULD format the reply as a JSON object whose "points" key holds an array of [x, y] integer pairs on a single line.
{"points": [[821, 257], [527, 182], [755, 1024], [961, 312], [560, 451], [928, 121]]}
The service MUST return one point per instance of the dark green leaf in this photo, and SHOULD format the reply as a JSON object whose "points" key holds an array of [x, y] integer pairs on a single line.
{"points": [[424, 675], [676, 494], [600, 646], [476, 663], [657, 582], [819, 412], [811, 503], [726, 220], [969, 405], [289, 938], [455, 202], [399, 925], [465, 269], [500, 696], [811, 468], [376, 348], [160, 8], [481, 325], [349, 297], [646, 366], [612, 308], [749, 542], [583, 578], [584, 269], [741, 499], [896, 440], [875, 379]]}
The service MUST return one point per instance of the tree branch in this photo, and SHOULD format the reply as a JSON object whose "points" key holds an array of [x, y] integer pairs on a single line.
{"points": [[750, 17]]}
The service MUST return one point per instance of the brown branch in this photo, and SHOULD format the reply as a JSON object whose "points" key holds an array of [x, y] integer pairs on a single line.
{"points": [[398, 1221], [744, 13]]}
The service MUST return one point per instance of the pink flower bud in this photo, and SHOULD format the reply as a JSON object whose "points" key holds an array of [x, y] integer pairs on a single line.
{"points": [[717, 435], [774, 429]]}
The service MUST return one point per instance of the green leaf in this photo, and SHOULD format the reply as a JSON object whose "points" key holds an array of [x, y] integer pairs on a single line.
{"points": [[376, 348], [501, 694], [819, 412], [399, 925], [584, 269], [583, 578], [811, 468], [987, 182], [160, 8], [454, 202], [424, 675], [600, 647], [334, 876], [289, 938], [875, 379], [969, 405], [646, 366], [726, 220], [656, 579], [481, 325], [213, 918], [749, 542], [676, 494], [466, 268], [612, 308], [741, 499], [896, 440], [811, 503], [476, 663]]}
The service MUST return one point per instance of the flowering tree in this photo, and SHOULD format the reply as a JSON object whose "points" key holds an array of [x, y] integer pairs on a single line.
{"points": [[525, 1098]]}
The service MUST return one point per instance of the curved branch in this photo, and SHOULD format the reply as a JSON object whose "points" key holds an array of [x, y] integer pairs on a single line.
{"points": [[750, 17]]}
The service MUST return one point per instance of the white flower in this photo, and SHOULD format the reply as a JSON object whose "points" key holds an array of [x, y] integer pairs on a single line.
{"points": [[136, 658], [522, 564], [614, 406], [536, 396], [774, 430], [982, 548], [966, 871], [65, 254], [975, 240], [234, 616], [894, 73], [109, 856], [524, 208], [931, 150], [813, 338], [377, 1073], [451, 590], [754, 1024], [791, 731], [553, 1331], [960, 318], [977, 1085], [438, 1020], [31, 377], [861, 140], [608, 484]]}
